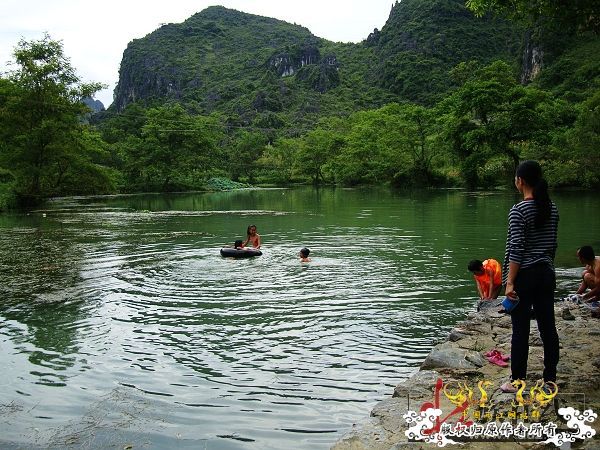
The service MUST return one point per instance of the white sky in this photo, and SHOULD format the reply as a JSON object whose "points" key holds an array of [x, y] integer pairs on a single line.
{"points": [[95, 34]]}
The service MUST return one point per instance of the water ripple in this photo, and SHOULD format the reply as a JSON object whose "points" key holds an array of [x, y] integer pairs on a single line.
{"points": [[121, 312]]}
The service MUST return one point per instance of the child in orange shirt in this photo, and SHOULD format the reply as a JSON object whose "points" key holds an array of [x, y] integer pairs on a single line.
{"points": [[488, 277]]}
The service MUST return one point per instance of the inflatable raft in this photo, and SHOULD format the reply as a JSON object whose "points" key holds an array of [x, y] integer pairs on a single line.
{"points": [[240, 252]]}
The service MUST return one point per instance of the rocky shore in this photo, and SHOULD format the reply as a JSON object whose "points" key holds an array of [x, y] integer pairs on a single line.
{"points": [[461, 359]]}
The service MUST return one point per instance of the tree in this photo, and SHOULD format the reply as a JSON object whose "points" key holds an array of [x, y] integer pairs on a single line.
{"points": [[493, 122], [319, 148], [492, 115], [583, 14], [175, 150], [277, 161], [245, 153], [417, 130], [390, 144], [586, 140], [41, 108]]}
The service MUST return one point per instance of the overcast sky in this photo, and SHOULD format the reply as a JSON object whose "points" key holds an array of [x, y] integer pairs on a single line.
{"points": [[95, 34]]}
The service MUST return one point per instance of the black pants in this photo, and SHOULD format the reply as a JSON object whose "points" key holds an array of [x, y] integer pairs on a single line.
{"points": [[535, 287]]}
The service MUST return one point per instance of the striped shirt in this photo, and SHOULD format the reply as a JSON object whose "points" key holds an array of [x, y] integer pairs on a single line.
{"points": [[526, 244]]}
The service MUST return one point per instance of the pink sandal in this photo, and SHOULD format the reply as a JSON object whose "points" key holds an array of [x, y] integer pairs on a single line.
{"points": [[508, 388], [498, 360], [498, 353]]}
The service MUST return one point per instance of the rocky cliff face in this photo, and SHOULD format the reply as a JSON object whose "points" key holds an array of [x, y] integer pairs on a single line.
{"points": [[209, 57], [94, 105], [288, 63], [146, 78], [532, 61], [320, 74]]}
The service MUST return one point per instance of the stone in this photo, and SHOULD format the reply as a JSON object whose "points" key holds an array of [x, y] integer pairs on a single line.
{"points": [[422, 382], [454, 358], [535, 341], [577, 372], [567, 314], [456, 335], [390, 413]]}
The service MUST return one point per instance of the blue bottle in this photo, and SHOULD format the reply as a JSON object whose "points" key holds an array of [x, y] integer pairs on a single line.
{"points": [[509, 303]]}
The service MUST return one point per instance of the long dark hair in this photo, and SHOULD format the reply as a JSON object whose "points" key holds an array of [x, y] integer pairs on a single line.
{"points": [[531, 173]]}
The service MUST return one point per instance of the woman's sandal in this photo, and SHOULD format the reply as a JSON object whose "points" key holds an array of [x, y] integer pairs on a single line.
{"points": [[508, 388], [494, 352], [497, 359]]}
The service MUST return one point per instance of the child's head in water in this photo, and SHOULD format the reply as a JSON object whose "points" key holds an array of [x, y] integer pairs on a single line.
{"points": [[238, 244], [304, 252]]}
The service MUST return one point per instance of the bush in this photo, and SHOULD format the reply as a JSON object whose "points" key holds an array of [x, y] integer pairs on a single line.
{"points": [[7, 197], [224, 184]]}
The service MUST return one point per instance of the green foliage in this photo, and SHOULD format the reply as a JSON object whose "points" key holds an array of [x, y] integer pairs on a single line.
{"points": [[577, 149], [585, 138], [45, 145], [321, 77], [423, 40], [319, 147], [223, 184], [575, 74], [174, 150], [224, 60], [277, 161], [582, 14], [211, 106], [244, 154], [7, 193], [493, 118]]}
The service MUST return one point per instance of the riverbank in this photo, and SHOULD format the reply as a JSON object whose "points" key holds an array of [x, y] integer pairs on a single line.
{"points": [[460, 359]]}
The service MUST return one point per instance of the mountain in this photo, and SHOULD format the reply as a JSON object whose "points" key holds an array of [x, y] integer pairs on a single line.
{"points": [[265, 71], [422, 40], [94, 105]]}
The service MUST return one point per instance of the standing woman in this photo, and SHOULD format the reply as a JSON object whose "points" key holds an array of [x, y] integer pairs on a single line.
{"points": [[528, 271]]}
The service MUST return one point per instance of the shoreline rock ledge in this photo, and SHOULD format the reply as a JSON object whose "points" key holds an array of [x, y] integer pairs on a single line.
{"points": [[460, 359]]}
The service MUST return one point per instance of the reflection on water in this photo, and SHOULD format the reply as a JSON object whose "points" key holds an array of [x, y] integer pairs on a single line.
{"points": [[122, 324]]}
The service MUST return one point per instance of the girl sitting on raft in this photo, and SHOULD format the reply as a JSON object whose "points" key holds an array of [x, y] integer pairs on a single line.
{"points": [[253, 237]]}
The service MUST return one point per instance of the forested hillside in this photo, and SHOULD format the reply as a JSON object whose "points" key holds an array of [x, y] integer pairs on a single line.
{"points": [[246, 65], [443, 95], [423, 40]]}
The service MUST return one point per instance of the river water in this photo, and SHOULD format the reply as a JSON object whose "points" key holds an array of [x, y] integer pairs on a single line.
{"points": [[120, 323]]}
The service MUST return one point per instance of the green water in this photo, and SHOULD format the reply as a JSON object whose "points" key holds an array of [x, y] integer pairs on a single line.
{"points": [[120, 324]]}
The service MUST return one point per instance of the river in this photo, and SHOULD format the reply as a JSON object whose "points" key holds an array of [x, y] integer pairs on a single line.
{"points": [[120, 323]]}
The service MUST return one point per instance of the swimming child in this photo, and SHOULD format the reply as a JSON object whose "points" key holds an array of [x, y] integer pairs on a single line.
{"points": [[304, 252], [253, 237], [239, 244]]}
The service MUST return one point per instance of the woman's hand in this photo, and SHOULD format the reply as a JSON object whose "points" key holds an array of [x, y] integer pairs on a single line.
{"points": [[510, 290]]}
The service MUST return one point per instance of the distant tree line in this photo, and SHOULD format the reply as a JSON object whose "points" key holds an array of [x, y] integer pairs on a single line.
{"points": [[472, 137]]}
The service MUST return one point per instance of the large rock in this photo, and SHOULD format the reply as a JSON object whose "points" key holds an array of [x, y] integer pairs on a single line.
{"points": [[422, 382], [453, 358]]}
